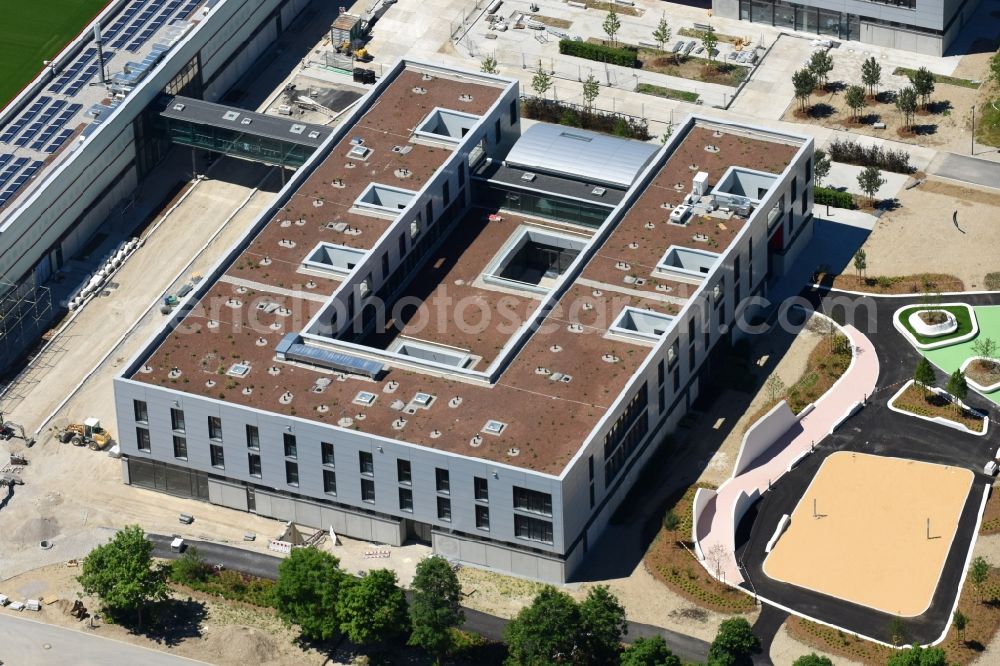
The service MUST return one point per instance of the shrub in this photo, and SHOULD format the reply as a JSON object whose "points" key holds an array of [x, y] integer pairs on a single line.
{"points": [[993, 281], [835, 198], [625, 56], [849, 151]]}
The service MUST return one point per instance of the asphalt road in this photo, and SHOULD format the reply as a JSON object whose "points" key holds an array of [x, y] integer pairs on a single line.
{"points": [[25, 642], [686, 647], [964, 168]]}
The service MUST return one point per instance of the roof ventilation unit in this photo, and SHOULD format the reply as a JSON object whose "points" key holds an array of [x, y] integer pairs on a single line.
{"points": [[246, 121], [365, 398], [179, 106], [528, 176], [493, 427], [598, 191], [423, 400], [230, 115]]}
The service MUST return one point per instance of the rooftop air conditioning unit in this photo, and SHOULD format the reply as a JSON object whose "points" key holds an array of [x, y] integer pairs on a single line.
{"points": [[700, 183]]}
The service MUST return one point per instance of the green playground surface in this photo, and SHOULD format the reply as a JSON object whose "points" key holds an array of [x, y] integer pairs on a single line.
{"points": [[951, 358], [31, 32]]}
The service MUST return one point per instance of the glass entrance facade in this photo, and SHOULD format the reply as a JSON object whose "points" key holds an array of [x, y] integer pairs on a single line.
{"points": [[793, 16]]}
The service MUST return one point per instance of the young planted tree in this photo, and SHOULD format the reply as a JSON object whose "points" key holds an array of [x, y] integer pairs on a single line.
{"points": [[821, 167], [860, 262], [662, 32], [611, 25], [309, 583], [546, 631], [602, 625], [923, 84], [906, 104], [734, 644], [871, 75], [541, 81], [985, 347], [488, 65], [959, 621], [979, 573], [854, 97], [898, 633], [710, 40], [649, 652], [870, 180], [775, 388], [372, 609], [923, 374], [189, 567], [804, 83], [821, 64], [121, 574], [958, 387], [812, 660], [434, 607], [591, 89]]}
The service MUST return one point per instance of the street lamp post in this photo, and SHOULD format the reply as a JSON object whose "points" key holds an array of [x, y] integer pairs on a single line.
{"points": [[972, 148]]}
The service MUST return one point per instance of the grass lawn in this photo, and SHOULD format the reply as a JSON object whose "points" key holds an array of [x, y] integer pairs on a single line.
{"points": [[31, 33], [669, 93], [940, 78], [951, 358], [961, 316], [988, 123]]}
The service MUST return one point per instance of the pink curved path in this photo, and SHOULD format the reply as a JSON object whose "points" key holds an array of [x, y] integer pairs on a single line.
{"points": [[715, 525]]}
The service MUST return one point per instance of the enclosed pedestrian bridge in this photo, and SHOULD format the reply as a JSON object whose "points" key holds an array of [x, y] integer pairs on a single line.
{"points": [[240, 133]]}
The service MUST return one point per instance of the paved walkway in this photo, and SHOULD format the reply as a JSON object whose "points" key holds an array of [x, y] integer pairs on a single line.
{"points": [[976, 170], [716, 522]]}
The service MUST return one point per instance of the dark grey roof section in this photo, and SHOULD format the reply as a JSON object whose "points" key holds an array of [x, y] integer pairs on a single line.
{"points": [[273, 127], [292, 348], [596, 193], [581, 154]]}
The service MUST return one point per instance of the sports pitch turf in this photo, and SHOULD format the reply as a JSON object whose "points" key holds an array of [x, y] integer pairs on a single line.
{"points": [[31, 32]]}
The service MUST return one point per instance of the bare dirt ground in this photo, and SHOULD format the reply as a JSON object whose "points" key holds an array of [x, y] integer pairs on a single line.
{"points": [[785, 650], [921, 235]]}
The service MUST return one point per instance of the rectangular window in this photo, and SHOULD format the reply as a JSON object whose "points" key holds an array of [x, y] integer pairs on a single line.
{"points": [[218, 457], [142, 437], [809, 170], [483, 518], [176, 419], [291, 473], [254, 460], [180, 447], [660, 372], [513, 111], [590, 467], [403, 471], [533, 501], [446, 192], [253, 438], [496, 131], [326, 449], [691, 332], [291, 447], [461, 175], [795, 187], [677, 382], [444, 509], [141, 411], [691, 359], [429, 212], [366, 463], [368, 491], [385, 265], [406, 500], [443, 481], [591, 496], [482, 489], [532, 529], [329, 482], [402, 247], [215, 428]]}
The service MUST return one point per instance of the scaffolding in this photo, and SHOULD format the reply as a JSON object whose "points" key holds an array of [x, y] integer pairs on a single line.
{"points": [[25, 310]]}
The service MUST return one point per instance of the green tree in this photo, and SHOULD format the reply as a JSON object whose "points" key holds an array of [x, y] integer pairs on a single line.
{"points": [[591, 89], [434, 606], [812, 660], [906, 104], [923, 84], [189, 567], [649, 652], [545, 632], [860, 262], [918, 656], [541, 81], [804, 83], [309, 583], [958, 387], [662, 32], [775, 388], [979, 573], [959, 621], [870, 180], [489, 65], [710, 40], [372, 609], [611, 24], [602, 625], [871, 74], [734, 644], [821, 166], [821, 64], [121, 574], [671, 521], [995, 68], [854, 97], [924, 373], [985, 347]]}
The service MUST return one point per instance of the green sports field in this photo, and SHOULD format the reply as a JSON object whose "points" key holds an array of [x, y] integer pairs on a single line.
{"points": [[36, 30]]}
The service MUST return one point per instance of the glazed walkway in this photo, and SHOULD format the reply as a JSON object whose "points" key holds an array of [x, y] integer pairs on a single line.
{"points": [[716, 526]]}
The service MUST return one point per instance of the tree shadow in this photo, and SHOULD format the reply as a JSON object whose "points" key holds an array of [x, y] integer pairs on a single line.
{"points": [[820, 110], [869, 118], [974, 645], [834, 87], [940, 106], [886, 97], [170, 622], [887, 205]]}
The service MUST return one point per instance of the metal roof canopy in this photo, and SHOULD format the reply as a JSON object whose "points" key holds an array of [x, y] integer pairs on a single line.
{"points": [[201, 112], [580, 154]]}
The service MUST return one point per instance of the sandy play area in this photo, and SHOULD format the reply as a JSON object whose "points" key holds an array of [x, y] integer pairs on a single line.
{"points": [[868, 541]]}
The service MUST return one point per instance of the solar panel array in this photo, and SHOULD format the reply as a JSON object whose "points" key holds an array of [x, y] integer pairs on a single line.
{"points": [[146, 13], [157, 23], [36, 126], [73, 70], [121, 20], [86, 75], [55, 126], [18, 125], [18, 180]]}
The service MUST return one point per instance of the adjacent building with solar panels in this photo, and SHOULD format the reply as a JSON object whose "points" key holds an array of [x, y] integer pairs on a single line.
{"points": [[457, 328], [75, 143]]}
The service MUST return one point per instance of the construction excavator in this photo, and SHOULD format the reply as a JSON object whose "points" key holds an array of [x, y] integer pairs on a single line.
{"points": [[89, 433], [10, 430]]}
